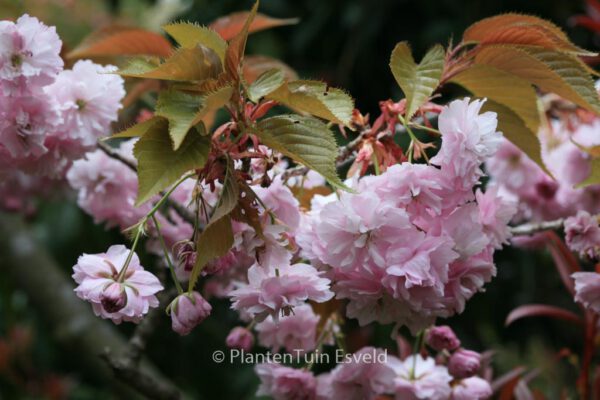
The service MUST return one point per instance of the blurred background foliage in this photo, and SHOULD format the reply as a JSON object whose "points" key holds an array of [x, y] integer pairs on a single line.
{"points": [[346, 43]]}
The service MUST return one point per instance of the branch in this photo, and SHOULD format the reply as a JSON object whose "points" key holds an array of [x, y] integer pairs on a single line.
{"points": [[179, 209], [535, 227], [70, 320]]}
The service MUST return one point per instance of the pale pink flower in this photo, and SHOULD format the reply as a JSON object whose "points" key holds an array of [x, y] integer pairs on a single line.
{"points": [[274, 291], [296, 332], [419, 378], [279, 200], [495, 212], [582, 234], [187, 311], [587, 289], [362, 377], [97, 273], [89, 97], [359, 229], [285, 383], [473, 388], [512, 168], [30, 50]]}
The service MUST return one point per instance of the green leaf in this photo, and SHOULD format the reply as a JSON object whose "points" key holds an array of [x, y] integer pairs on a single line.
{"points": [[181, 110], [188, 34], [315, 98], [217, 238], [187, 64], [514, 129], [503, 88], [417, 81], [159, 166], [304, 139], [211, 102], [139, 129], [551, 71], [266, 84]]}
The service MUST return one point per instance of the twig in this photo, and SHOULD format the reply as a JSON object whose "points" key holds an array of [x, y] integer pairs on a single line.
{"points": [[179, 209], [535, 227]]}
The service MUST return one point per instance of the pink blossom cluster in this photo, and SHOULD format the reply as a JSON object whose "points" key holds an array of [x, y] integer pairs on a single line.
{"points": [[540, 196], [48, 116], [370, 373], [415, 242]]}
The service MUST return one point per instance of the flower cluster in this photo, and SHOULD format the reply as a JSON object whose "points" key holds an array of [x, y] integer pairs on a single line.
{"points": [[49, 116], [371, 372], [415, 242]]}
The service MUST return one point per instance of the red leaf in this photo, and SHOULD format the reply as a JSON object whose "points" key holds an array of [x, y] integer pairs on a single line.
{"points": [[564, 260], [254, 66], [232, 24], [541, 310], [122, 41], [508, 381]]}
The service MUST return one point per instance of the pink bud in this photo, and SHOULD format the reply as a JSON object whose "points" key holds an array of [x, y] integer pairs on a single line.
{"points": [[113, 298], [442, 338], [187, 311], [464, 363], [240, 338]]}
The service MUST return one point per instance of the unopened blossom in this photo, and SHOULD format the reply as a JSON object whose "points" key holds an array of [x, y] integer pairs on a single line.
{"points": [[582, 234], [187, 311], [473, 388], [418, 378], [296, 332], [276, 291], [362, 377], [464, 363], [587, 289], [240, 338], [284, 383], [442, 338], [29, 50], [97, 276]]}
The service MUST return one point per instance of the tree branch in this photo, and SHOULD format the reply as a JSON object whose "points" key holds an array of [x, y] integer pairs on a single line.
{"points": [[70, 319], [535, 227]]}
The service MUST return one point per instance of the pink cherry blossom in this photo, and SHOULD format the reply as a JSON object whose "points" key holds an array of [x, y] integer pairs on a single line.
{"points": [[279, 199], [495, 212], [464, 363], [582, 234], [29, 50], [295, 333], [240, 338], [442, 338], [587, 289], [96, 274], [419, 378], [274, 291], [285, 383], [473, 388]]}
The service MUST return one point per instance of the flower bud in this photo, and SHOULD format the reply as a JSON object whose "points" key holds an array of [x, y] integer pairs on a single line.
{"points": [[240, 338], [442, 338], [113, 298], [464, 363], [187, 311]]}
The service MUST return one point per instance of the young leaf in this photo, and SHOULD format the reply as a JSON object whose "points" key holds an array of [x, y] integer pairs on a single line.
{"points": [[181, 110], [139, 129], [265, 84], [254, 66], [122, 41], [304, 139], [210, 103], [541, 310], [217, 237], [524, 30], [229, 26], [195, 64], [417, 81], [514, 129], [316, 98], [237, 46], [504, 88], [159, 166], [188, 34], [551, 71]]}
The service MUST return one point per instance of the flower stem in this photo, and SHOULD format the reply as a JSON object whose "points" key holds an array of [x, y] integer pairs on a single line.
{"points": [[166, 251], [416, 351]]}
